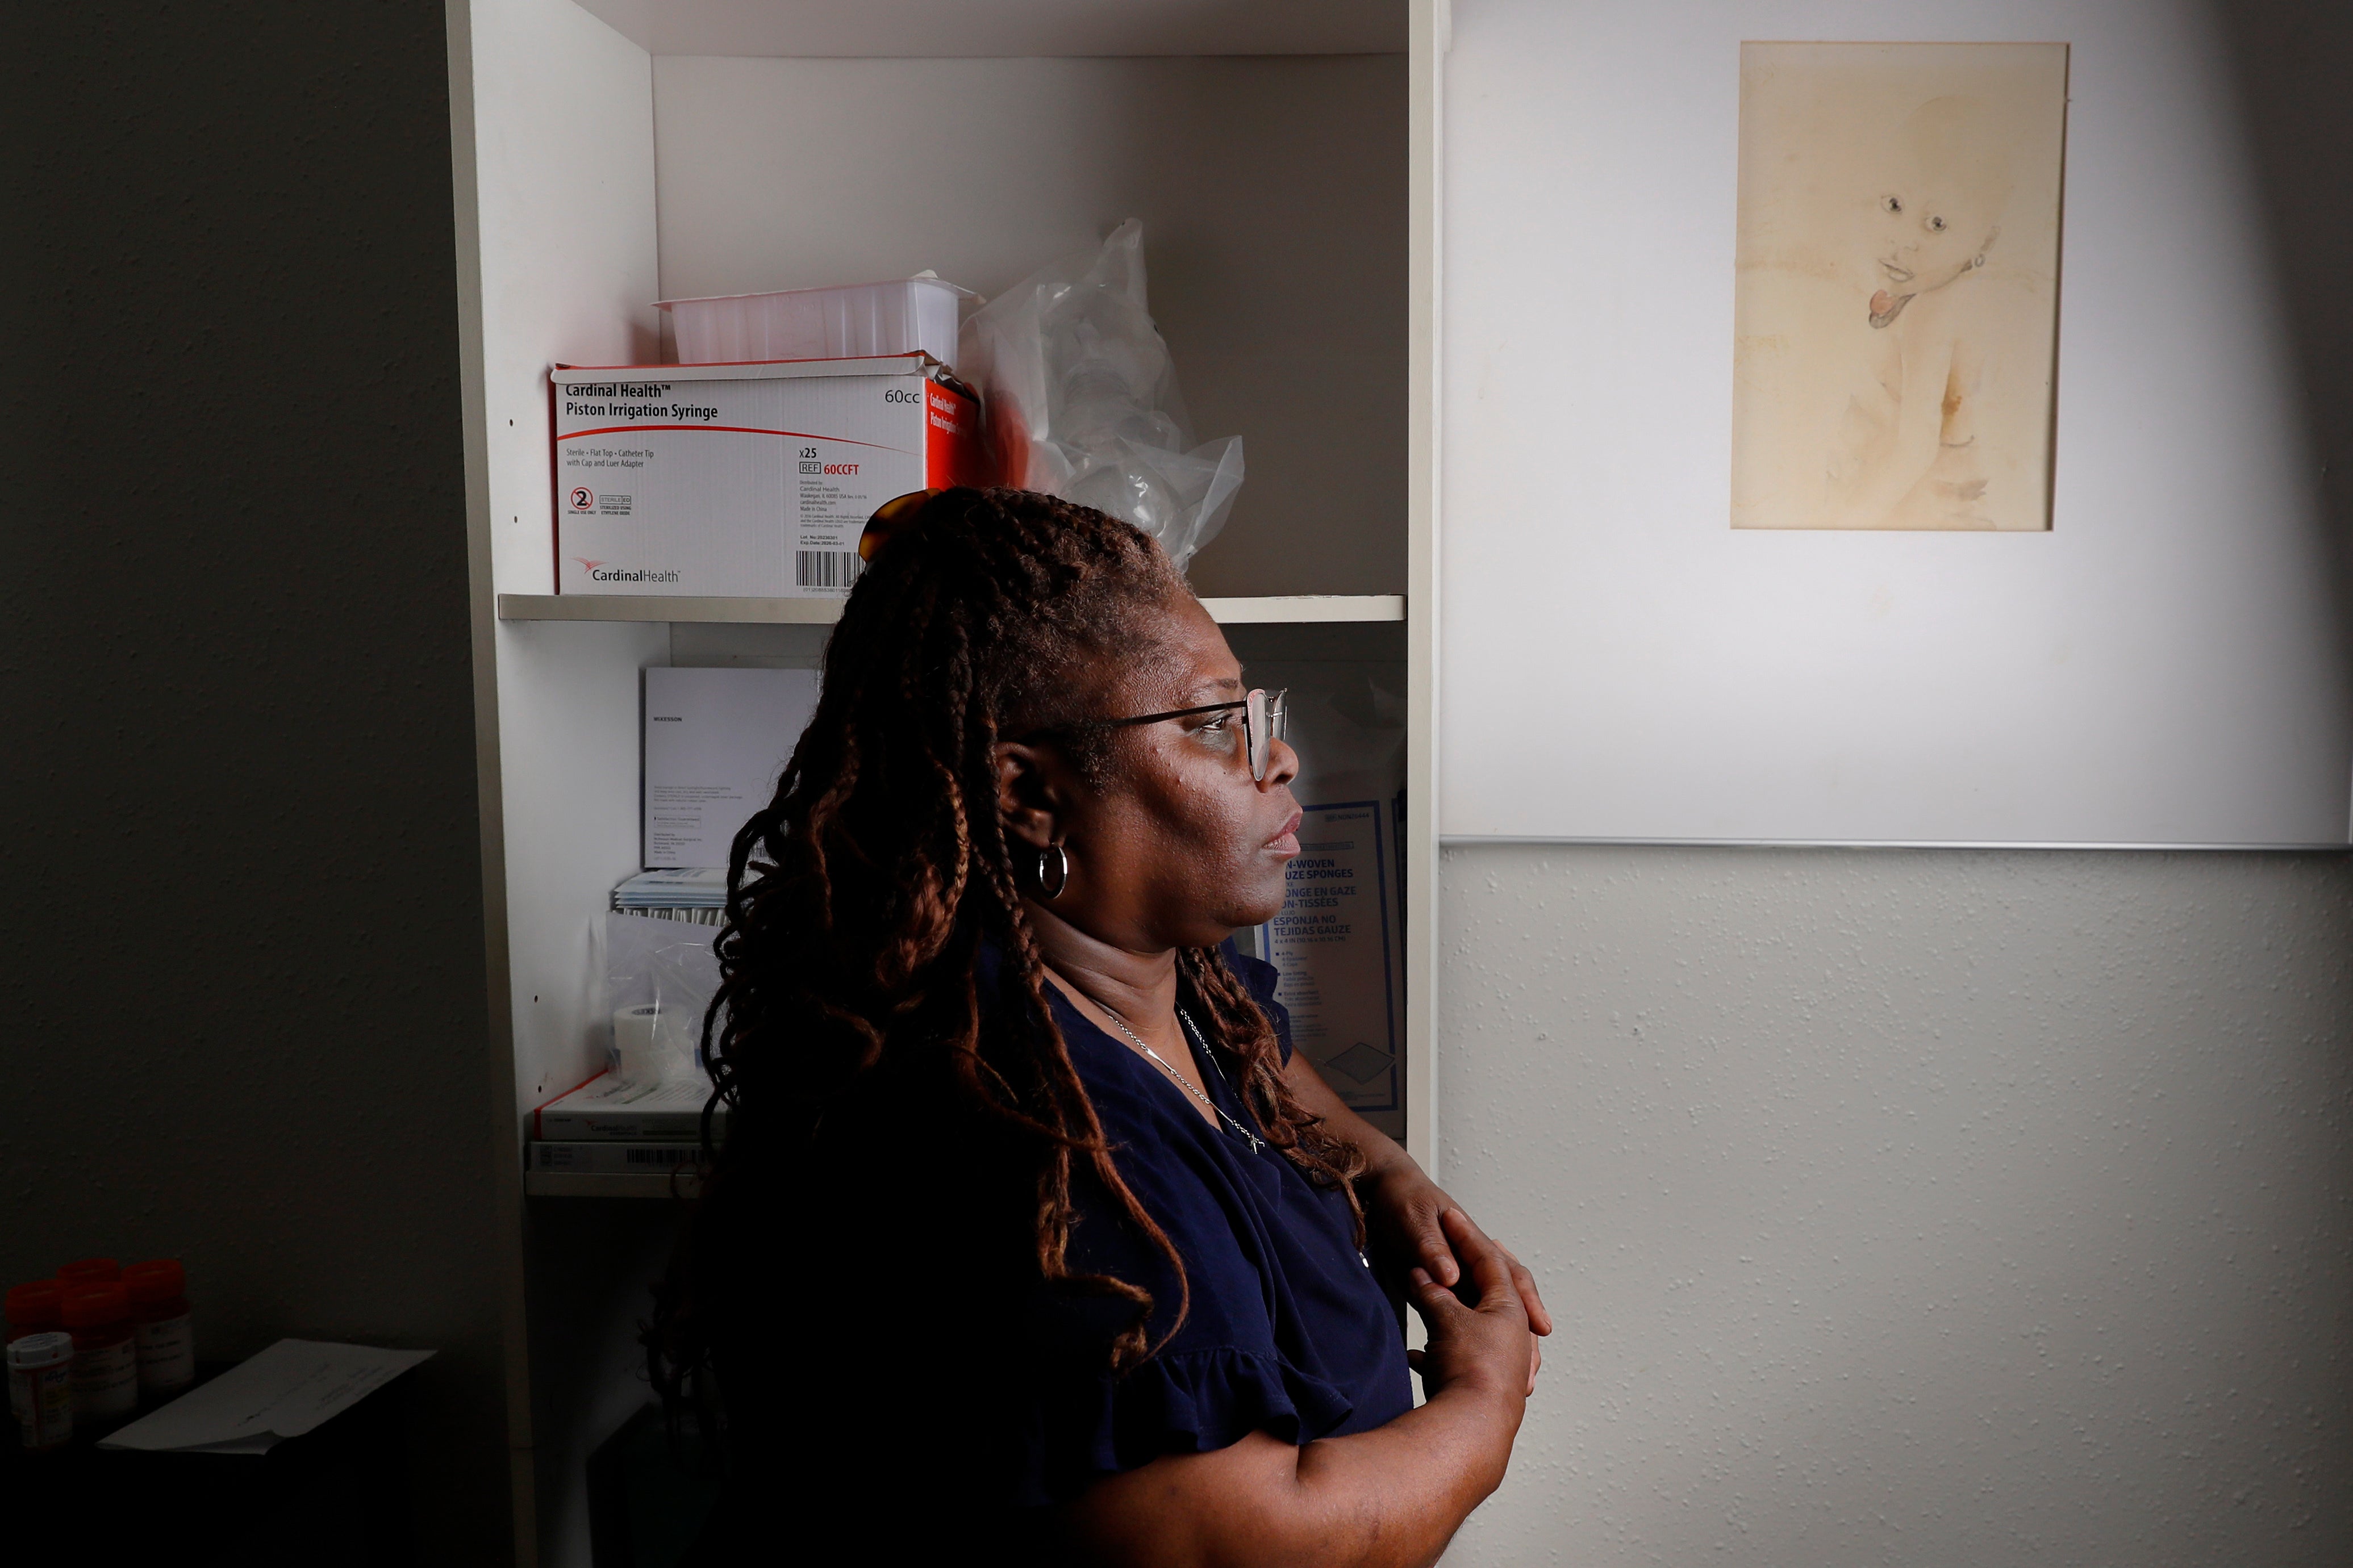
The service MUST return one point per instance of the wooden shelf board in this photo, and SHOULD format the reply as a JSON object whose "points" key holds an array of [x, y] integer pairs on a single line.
{"points": [[1284, 608]]}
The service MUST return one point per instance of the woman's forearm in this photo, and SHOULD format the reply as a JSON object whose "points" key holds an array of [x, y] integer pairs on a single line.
{"points": [[1394, 1496], [1390, 1497]]}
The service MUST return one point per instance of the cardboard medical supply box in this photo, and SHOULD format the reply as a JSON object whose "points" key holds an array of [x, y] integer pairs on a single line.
{"points": [[746, 479]]}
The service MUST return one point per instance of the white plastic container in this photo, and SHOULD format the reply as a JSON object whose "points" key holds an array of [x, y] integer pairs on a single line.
{"points": [[855, 320], [40, 1390]]}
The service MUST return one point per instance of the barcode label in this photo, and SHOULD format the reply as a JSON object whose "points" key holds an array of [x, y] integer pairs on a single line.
{"points": [[685, 1156], [696, 915], [826, 568]]}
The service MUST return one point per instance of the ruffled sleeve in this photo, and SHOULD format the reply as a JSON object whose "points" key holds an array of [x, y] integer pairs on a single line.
{"points": [[1223, 1373], [1180, 1402]]}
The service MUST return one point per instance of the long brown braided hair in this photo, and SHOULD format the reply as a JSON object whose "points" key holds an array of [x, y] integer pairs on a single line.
{"points": [[861, 898]]}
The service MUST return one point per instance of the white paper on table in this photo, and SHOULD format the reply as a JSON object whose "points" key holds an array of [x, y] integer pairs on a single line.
{"points": [[282, 1393], [715, 740]]}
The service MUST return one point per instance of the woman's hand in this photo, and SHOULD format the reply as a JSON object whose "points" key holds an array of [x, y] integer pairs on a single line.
{"points": [[1490, 1347], [1389, 1497], [1405, 1211]]}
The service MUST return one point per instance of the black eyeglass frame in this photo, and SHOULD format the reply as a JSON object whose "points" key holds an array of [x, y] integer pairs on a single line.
{"points": [[1259, 756]]}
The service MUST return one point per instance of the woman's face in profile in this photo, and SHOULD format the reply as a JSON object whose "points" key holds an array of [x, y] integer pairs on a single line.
{"points": [[1182, 847]]}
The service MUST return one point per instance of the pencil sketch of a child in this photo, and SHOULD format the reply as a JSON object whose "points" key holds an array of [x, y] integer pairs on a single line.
{"points": [[1894, 317]]}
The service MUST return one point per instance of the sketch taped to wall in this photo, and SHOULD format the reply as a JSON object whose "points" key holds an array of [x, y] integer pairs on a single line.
{"points": [[1895, 305]]}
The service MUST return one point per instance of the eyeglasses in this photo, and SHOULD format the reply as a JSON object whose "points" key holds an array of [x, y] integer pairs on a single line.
{"points": [[1264, 719]]}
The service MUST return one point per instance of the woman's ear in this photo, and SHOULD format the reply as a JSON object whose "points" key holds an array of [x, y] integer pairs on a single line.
{"points": [[1027, 797]]}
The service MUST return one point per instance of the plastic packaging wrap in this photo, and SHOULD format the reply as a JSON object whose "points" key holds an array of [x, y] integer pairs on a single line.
{"points": [[1082, 400], [658, 979]]}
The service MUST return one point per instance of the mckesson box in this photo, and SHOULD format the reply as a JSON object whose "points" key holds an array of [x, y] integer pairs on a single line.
{"points": [[746, 479]]}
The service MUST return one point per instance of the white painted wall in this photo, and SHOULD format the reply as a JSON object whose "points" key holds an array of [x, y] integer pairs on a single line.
{"points": [[2165, 666], [1919, 1207]]}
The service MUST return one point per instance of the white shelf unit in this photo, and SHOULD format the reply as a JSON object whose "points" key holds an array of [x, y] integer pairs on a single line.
{"points": [[1284, 161]]}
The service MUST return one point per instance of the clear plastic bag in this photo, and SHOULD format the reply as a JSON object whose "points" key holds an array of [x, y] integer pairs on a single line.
{"points": [[1082, 400], [658, 979]]}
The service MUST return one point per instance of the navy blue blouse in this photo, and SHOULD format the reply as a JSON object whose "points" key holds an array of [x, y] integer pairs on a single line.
{"points": [[900, 1385], [1288, 1332]]}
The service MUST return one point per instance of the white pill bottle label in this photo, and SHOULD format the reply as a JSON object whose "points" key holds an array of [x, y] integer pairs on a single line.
{"points": [[167, 1356], [42, 1399], [106, 1380]]}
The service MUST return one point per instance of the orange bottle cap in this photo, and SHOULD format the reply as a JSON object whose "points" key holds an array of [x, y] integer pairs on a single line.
{"points": [[89, 1271]]}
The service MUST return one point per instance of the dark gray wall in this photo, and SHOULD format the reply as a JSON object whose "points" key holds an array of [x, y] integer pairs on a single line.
{"points": [[2291, 59], [242, 878]]}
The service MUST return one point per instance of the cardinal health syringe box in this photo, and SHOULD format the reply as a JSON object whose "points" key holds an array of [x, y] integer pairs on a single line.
{"points": [[751, 480]]}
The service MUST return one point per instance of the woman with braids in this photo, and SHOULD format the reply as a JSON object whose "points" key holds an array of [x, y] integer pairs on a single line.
{"points": [[1033, 1240]]}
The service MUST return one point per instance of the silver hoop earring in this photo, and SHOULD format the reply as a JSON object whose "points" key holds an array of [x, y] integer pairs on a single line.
{"points": [[1052, 883]]}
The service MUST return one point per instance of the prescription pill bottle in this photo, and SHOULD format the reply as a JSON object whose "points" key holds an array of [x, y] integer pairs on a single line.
{"points": [[106, 1355], [89, 1271], [34, 1309], [40, 1390], [162, 1327]]}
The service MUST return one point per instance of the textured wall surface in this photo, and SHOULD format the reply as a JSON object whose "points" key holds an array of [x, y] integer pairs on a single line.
{"points": [[244, 942], [1921, 1207]]}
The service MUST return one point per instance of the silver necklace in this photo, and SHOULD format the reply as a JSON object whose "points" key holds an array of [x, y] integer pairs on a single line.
{"points": [[1256, 1142]]}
